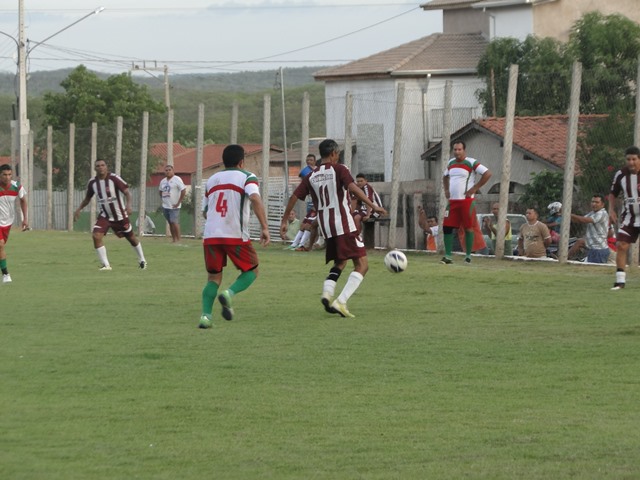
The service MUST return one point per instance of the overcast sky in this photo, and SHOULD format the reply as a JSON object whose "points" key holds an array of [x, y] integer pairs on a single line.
{"points": [[209, 36]]}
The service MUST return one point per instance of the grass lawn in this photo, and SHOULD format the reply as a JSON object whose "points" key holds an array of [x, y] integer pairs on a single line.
{"points": [[497, 370]]}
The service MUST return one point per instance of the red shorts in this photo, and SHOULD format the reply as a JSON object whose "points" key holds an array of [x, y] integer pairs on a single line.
{"points": [[243, 256], [345, 247], [4, 233], [121, 227], [460, 213]]}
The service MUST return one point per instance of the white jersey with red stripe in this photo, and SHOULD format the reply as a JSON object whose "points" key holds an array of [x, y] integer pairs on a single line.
{"points": [[328, 186], [8, 197], [462, 176], [228, 206], [110, 197]]}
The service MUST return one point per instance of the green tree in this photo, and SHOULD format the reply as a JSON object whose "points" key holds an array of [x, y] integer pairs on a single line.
{"points": [[544, 72], [87, 99], [608, 48], [545, 187]]}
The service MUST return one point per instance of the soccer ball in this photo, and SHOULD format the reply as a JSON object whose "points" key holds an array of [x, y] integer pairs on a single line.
{"points": [[395, 261]]}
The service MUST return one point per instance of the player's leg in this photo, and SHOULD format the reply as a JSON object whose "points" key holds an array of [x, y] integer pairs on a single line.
{"points": [[449, 223], [245, 258], [468, 220], [214, 260], [4, 235], [132, 238], [351, 247], [98, 244], [621, 263]]}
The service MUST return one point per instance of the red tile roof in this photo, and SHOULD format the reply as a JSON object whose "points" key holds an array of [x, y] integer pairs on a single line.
{"points": [[161, 150], [544, 137]]}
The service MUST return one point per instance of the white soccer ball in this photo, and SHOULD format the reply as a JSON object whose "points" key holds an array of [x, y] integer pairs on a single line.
{"points": [[395, 261]]}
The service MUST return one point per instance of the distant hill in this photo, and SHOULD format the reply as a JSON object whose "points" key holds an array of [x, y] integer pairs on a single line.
{"points": [[247, 82]]}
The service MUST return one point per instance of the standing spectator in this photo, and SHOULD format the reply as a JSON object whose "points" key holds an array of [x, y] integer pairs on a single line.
{"points": [[627, 181], [460, 188], [429, 225], [490, 227], [329, 186], [226, 231], [10, 190], [534, 236], [595, 240], [114, 202], [172, 191]]}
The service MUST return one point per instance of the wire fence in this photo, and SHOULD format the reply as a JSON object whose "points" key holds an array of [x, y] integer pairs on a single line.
{"points": [[399, 137]]}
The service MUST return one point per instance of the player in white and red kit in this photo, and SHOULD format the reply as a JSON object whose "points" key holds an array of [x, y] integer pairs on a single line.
{"points": [[627, 181], [114, 207], [460, 189], [10, 191], [329, 186], [229, 196]]}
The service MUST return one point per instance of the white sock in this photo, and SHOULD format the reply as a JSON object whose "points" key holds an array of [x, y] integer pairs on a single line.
{"points": [[329, 288], [296, 241], [353, 282], [621, 277], [102, 255], [138, 249], [305, 238]]}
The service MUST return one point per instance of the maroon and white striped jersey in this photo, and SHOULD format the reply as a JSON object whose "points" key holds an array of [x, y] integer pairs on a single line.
{"points": [[628, 183], [110, 196], [328, 186]]}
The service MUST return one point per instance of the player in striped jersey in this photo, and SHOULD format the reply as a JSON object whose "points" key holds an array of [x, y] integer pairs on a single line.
{"points": [[460, 189], [114, 206], [10, 190], [329, 186], [228, 196], [627, 181]]}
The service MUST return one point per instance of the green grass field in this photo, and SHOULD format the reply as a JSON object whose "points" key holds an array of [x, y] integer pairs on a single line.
{"points": [[497, 370]]}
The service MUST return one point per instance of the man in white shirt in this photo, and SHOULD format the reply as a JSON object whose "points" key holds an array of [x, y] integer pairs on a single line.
{"points": [[172, 191]]}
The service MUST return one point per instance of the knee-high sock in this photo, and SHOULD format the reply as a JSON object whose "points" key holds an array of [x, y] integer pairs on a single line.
{"points": [[209, 293], [139, 253], [305, 238], [102, 255], [468, 241], [353, 282], [448, 244], [244, 280]]}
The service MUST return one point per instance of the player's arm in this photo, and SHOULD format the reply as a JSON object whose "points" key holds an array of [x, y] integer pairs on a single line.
{"points": [[445, 186], [483, 179], [357, 191], [613, 216], [258, 209], [127, 195], [23, 207], [83, 204]]}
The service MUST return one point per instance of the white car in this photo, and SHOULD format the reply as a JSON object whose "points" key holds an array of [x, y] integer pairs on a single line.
{"points": [[516, 220]]}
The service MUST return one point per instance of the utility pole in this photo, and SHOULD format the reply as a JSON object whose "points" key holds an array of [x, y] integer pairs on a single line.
{"points": [[167, 101], [284, 137], [23, 123]]}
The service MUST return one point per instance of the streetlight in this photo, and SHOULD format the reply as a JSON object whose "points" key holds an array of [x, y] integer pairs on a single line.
{"points": [[23, 53]]}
